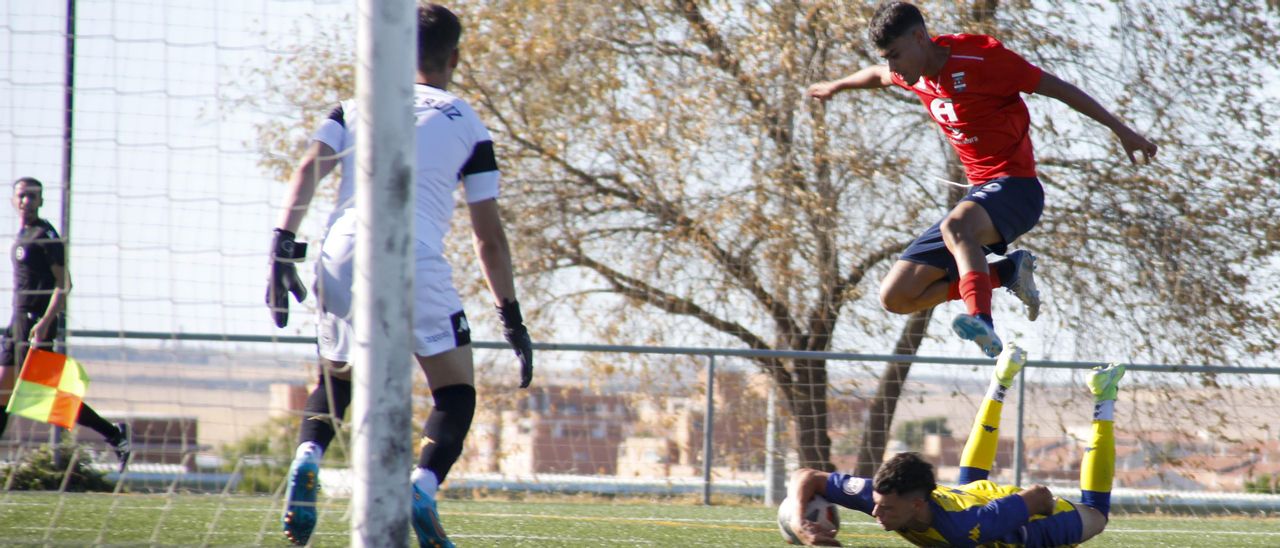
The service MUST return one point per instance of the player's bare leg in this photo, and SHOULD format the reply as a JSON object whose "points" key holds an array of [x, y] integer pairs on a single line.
{"points": [[910, 287], [966, 229], [448, 368], [451, 376]]}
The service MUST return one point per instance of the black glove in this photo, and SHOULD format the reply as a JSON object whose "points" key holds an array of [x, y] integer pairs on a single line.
{"points": [[285, 254], [517, 335]]}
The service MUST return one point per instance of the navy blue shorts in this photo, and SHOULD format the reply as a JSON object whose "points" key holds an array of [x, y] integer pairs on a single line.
{"points": [[1014, 205], [1060, 529]]}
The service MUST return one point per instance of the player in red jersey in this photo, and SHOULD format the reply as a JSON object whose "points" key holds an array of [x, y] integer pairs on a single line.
{"points": [[971, 85]]}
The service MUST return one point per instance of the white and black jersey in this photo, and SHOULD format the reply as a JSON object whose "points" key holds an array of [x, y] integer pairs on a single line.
{"points": [[36, 250], [453, 146]]}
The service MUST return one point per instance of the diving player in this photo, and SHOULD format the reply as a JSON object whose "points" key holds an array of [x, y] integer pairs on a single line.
{"points": [[905, 498]]}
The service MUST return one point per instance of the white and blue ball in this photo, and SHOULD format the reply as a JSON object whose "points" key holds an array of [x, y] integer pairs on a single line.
{"points": [[818, 510]]}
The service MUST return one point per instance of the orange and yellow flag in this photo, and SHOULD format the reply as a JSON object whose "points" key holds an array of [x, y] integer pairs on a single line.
{"points": [[50, 389]]}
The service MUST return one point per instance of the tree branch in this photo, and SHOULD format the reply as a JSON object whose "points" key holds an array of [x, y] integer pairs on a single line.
{"points": [[672, 215], [639, 290], [727, 61]]}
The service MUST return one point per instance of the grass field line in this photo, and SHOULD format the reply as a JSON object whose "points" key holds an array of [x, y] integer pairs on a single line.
{"points": [[722, 524], [1195, 531], [669, 522], [627, 541], [601, 518]]}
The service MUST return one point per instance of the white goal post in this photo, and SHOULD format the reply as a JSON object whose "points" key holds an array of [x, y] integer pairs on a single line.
{"points": [[381, 413]]}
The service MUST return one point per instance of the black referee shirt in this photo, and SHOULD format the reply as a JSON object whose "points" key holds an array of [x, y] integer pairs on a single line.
{"points": [[35, 251]]}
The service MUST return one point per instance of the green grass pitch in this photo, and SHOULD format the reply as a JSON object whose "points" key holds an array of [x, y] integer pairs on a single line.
{"points": [[84, 519]]}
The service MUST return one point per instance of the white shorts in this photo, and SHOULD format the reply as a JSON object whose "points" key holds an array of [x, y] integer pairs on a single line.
{"points": [[439, 324]]}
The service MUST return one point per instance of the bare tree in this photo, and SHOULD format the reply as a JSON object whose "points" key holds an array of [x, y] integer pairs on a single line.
{"points": [[667, 180]]}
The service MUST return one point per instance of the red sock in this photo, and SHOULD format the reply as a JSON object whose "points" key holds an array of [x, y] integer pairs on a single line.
{"points": [[975, 288], [953, 290]]}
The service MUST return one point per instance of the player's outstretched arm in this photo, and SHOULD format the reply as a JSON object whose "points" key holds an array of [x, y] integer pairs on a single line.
{"points": [[495, 259], [317, 161], [1074, 97], [875, 76], [804, 485]]}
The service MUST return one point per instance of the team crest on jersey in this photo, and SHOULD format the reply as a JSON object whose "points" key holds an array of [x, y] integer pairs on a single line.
{"points": [[957, 81], [20, 253], [853, 486]]}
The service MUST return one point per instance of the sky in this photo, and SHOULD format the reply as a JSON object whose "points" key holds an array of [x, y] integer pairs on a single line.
{"points": [[171, 216]]}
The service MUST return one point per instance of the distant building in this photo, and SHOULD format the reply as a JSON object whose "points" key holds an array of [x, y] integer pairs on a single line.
{"points": [[287, 399], [559, 429], [551, 429], [640, 456]]}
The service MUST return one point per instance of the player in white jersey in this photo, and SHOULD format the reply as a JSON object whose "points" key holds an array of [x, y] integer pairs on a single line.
{"points": [[452, 145]]}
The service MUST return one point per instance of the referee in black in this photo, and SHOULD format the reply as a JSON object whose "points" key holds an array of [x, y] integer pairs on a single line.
{"points": [[40, 285]]}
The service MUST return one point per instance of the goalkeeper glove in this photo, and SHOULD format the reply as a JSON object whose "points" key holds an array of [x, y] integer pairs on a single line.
{"points": [[285, 254], [517, 335]]}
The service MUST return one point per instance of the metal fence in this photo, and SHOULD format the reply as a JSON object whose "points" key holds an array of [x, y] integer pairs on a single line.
{"points": [[773, 486]]}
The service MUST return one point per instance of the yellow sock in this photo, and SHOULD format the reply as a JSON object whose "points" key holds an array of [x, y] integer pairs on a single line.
{"points": [[1099, 464], [980, 450], [1098, 468]]}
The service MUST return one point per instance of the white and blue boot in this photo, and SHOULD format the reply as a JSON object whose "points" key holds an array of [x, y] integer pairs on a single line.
{"points": [[978, 330], [426, 521], [299, 517], [1024, 282]]}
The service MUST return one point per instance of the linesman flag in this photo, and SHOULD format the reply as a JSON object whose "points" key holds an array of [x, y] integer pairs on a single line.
{"points": [[50, 388]]}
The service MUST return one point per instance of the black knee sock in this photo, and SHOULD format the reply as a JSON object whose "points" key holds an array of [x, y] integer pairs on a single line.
{"points": [[1004, 269], [317, 425], [4, 421], [89, 417], [446, 428]]}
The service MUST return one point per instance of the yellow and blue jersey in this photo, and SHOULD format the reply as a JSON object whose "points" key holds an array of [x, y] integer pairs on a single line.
{"points": [[980, 513]]}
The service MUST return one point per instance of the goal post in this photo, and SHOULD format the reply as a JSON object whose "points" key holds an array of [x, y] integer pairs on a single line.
{"points": [[381, 413]]}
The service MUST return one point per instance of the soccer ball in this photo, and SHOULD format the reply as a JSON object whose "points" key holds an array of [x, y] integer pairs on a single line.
{"points": [[818, 510]]}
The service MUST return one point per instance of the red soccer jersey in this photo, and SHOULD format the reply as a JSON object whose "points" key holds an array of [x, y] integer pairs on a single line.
{"points": [[975, 98]]}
